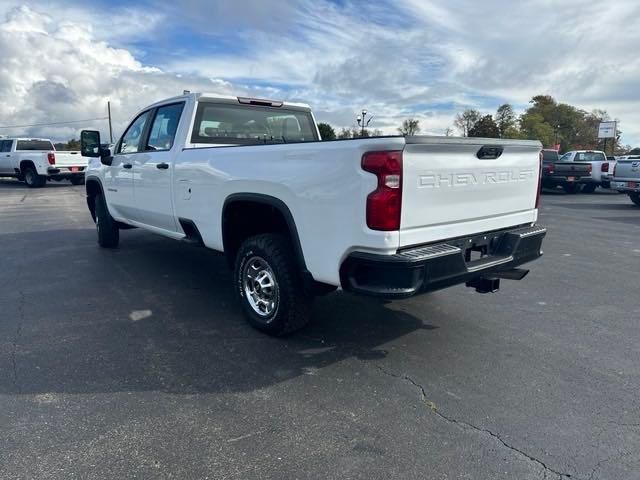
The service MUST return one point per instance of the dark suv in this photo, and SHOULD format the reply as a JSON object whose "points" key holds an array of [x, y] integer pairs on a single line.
{"points": [[549, 158]]}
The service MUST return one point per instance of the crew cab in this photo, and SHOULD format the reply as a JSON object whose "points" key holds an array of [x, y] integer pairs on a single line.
{"points": [[626, 177], [295, 216], [35, 160], [582, 170]]}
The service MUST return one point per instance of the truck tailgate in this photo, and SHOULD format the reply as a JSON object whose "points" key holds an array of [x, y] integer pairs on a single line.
{"points": [[70, 159], [573, 169], [628, 169], [450, 191]]}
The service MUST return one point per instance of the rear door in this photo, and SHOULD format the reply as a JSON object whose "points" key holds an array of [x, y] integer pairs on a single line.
{"points": [[461, 186], [6, 160], [153, 169]]}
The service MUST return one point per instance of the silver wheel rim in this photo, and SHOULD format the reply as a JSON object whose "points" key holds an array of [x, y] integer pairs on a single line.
{"points": [[29, 177], [260, 287]]}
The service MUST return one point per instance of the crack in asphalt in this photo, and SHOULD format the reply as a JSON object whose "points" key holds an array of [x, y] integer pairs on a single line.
{"points": [[16, 339], [465, 425], [619, 455]]}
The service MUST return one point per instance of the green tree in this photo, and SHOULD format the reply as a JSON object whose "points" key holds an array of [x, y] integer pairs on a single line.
{"points": [[466, 120], [326, 131], [410, 127], [533, 126], [634, 151], [505, 119], [485, 127]]}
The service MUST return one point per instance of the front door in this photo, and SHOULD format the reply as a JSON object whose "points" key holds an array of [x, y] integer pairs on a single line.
{"points": [[153, 170], [119, 176]]}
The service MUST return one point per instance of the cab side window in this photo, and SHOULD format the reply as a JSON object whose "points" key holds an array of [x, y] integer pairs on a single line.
{"points": [[130, 142], [164, 127], [5, 145]]}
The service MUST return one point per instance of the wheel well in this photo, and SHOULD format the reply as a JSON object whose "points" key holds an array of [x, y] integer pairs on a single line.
{"points": [[24, 164], [242, 219], [93, 189]]}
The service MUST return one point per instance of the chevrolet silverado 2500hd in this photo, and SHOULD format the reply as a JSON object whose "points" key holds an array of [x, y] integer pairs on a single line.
{"points": [[296, 216], [35, 160]]}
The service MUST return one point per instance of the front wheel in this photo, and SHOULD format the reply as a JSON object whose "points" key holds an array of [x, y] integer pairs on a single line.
{"points": [[635, 198], [268, 284], [108, 231]]}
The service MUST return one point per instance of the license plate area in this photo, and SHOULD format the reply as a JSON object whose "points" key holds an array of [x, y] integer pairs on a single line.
{"points": [[479, 247], [571, 179]]}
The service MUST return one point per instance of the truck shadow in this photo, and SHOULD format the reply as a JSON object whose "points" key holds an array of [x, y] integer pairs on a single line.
{"points": [[12, 183], [158, 315]]}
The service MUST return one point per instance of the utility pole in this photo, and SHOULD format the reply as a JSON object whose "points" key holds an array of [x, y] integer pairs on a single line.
{"points": [[362, 122], [110, 129]]}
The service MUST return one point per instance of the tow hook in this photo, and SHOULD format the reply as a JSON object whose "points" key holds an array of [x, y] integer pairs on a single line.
{"points": [[485, 284]]}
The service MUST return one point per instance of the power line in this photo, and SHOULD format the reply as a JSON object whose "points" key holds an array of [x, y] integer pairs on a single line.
{"points": [[54, 123]]}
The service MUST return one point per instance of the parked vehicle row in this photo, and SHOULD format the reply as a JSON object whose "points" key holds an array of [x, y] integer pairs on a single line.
{"points": [[389, 217], [35, 160], [578, 170]]}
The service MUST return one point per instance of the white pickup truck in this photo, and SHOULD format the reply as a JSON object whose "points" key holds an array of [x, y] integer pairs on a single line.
{"points": [[35, 160], [583, 170], [389, 217]]}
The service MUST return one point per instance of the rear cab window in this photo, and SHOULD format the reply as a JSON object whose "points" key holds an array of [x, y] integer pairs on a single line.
{"points": [[549, 156], [34, 145], [229, 124], [589, 157]]}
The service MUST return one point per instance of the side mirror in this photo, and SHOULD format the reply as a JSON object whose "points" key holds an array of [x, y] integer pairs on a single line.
{"points": [[90, 143], [90, 147]]}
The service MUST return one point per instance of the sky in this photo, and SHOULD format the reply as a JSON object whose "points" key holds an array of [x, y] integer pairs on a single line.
{"points": [[61, 61]]}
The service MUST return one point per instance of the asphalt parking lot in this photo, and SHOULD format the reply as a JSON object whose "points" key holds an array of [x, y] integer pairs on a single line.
{"points": [[137, 363]]}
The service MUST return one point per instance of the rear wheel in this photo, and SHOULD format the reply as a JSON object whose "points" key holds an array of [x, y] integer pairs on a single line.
{"points": [[108, 232], [268, 284], [32, 179], [635, 198], [571, 187], [77, 180], [589, 188]]}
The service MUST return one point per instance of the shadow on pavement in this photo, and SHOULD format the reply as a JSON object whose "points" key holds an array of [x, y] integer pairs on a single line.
{"points": [[158, 315]]}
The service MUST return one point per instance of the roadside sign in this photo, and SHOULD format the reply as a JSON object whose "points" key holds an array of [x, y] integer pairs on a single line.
{"points": [[607, 130]]}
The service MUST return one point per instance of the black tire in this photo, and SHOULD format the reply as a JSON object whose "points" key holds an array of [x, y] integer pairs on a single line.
{"points": [[32, 179], [635, 198], [589, 188], [108, 231], [290, 305], [77, 180], [571, 188]]}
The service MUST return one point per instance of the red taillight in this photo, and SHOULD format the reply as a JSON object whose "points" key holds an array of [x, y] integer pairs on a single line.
{"points": [[52, 158], [551, 169], [540, 179], [384, 204], [605, 167], [589, 168]]}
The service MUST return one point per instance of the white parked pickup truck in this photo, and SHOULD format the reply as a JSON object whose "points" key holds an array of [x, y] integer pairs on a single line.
{"points": [[35, 160], [389, 217], [583, 170]]}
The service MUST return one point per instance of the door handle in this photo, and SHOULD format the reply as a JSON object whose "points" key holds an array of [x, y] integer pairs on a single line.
{"points": [[7, 155], [162, 166], [127, 165]]}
